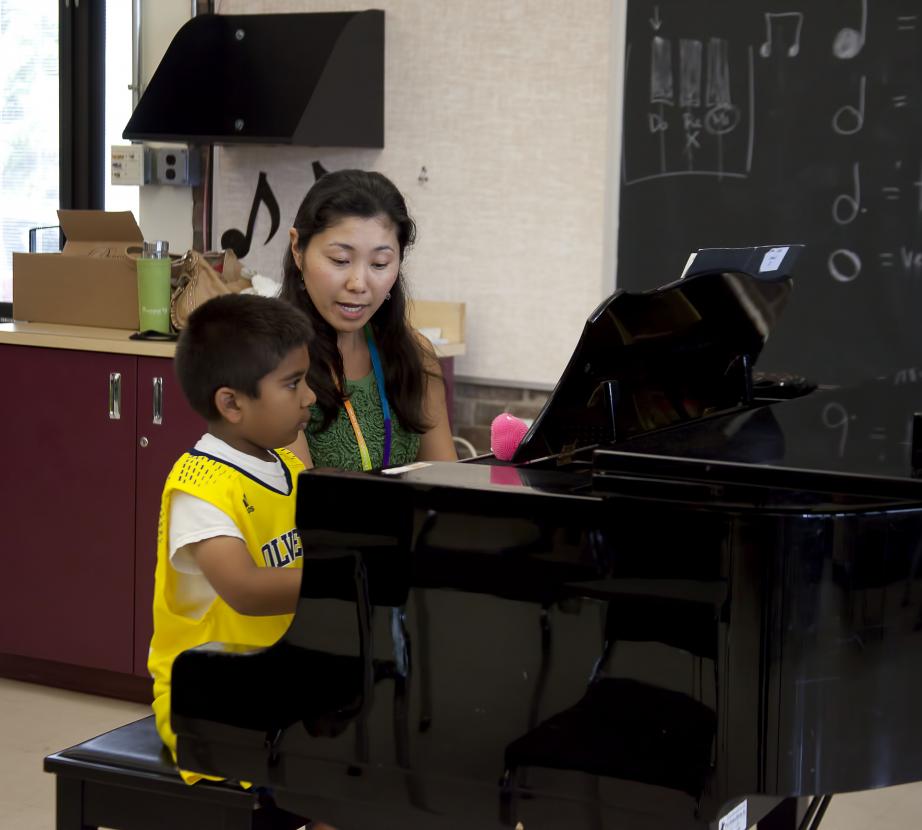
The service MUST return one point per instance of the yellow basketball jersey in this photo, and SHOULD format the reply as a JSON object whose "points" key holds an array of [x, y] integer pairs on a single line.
{"points": [[266, 518]]}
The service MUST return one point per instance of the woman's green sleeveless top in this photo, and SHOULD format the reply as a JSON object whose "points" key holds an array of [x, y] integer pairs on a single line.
{"points": [[336, 446]]}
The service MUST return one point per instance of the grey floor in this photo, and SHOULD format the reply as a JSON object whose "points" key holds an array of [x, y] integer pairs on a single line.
{"points": [[35, 721]]}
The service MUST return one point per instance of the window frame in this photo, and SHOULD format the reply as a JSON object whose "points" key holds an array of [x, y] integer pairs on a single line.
{"points": [[82, 103]]}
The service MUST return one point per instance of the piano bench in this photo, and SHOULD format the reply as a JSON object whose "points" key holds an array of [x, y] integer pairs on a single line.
{"points": [[125, 780]]}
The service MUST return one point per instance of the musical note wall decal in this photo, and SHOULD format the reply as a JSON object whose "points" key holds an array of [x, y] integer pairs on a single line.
{"points": [[240, 242], [849, 42], [779, 20]]}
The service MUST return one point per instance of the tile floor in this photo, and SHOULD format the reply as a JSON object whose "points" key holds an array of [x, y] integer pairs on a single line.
{"points": [[36, 720]]}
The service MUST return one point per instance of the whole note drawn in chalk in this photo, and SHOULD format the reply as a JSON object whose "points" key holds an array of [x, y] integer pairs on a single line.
{"points": [[240, 242], [780, 21], [849, 42]]}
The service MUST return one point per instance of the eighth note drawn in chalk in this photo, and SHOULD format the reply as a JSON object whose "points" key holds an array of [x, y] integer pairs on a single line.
{"points": [[778, 20], [849, 42]]}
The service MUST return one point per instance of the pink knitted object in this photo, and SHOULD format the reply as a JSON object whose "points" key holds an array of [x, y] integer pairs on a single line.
{"points": [[506, 433]]}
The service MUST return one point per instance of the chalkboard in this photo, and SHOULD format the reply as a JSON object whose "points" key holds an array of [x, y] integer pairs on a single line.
{"points": [[754, 123]]}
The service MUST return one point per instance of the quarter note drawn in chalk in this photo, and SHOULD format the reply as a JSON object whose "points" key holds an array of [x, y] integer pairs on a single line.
{"points": [[849, 42], [240, 242], [777, 20]]}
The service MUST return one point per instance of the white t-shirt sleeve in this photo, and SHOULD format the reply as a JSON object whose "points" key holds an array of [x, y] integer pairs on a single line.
{"points": [[192, 520]]}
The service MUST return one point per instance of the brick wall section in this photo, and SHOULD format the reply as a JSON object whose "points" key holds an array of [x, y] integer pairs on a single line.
{"points": [[475, 407]]}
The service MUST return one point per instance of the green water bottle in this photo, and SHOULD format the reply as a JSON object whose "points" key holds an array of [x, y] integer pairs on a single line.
{"points": [[154, 287]]}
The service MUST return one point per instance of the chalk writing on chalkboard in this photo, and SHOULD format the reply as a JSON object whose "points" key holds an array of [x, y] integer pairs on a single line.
{"points": [[776, 26], [706, 118], [759, 123], [863, 437], [849, 42]]}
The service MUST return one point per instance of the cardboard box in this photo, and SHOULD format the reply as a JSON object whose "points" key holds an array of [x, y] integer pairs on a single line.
{"points": [[435, 315], [92, 282]]}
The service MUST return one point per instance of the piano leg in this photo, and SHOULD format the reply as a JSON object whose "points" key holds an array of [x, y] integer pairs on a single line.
{"points": [[815, 812], [796, 814], [423, 661]]}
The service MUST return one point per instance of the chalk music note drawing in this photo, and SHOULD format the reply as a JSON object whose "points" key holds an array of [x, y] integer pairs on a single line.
{"points": [[849, 42], [779, 21]]}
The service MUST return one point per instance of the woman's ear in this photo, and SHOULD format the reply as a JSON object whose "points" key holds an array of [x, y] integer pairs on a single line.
{"points": [[296, 252], [227, 402]]}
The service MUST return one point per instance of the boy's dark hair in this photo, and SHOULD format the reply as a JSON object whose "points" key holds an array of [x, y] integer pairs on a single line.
{"points": [[235, 340]]}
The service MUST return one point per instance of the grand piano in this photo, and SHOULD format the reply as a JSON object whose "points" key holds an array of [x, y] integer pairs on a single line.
{"points": [[693, 599]]}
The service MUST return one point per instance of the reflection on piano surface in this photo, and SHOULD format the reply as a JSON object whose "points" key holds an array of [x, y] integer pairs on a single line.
{"points": [[688, 595]]}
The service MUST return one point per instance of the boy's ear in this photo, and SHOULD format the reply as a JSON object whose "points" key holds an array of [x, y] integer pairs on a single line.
{"points": [[227, 402]]}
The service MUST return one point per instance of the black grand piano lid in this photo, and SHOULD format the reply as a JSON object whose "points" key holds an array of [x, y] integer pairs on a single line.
{"points": [[653, 359]]}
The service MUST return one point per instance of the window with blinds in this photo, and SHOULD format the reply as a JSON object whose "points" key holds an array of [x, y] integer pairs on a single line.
{"points": [[28, 126], [30, 135]]}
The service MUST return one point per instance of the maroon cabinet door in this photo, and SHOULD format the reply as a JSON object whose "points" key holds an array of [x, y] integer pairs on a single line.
{"points": [[67, 426], [166, 428]]}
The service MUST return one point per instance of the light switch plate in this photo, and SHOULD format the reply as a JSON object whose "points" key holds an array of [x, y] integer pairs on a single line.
{"points": [[127, 164]]}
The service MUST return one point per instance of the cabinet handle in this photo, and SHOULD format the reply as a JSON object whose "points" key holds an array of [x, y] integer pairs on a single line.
{"points": [[115, 396], [158, 401]]}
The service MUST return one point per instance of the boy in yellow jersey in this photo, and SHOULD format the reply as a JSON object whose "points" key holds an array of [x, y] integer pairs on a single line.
{"points": [[228, 552]]}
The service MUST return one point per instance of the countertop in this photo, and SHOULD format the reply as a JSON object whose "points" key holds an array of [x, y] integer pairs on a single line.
{"points": [[116, 341]]}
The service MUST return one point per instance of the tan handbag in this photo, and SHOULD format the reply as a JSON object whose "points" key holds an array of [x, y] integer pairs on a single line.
{"points": [[195, 281]]}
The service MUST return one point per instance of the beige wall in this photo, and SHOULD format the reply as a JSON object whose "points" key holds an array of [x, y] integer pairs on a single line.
{"points": [[513, 108], [164, 212]]}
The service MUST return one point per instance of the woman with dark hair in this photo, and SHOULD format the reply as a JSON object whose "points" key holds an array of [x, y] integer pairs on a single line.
{"points": [[380, 393]]}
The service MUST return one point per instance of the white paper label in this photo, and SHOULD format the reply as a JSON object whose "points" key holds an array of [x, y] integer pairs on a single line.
{"points": [[772, 259], [688, 262], [416, 465], [736, 818]]}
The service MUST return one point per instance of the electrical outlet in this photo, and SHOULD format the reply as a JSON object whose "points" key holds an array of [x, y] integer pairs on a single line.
{"points": [[129, 164], [176, 166]]}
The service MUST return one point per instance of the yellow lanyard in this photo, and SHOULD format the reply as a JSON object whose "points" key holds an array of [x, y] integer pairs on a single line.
{"points": [[359, 438], [385, 408]]}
